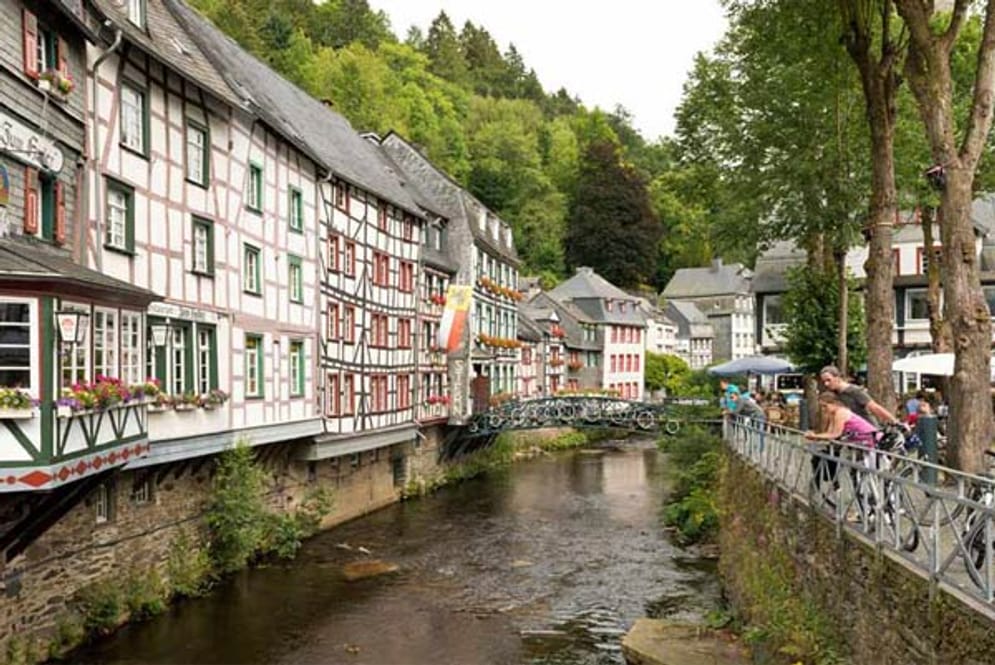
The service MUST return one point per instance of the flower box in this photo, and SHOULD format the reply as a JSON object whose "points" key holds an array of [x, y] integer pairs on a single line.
{"points": [[184, 407], [158, 408], [16, 414]]}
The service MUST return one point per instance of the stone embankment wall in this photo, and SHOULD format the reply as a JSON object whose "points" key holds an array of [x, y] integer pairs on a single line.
{"points": [[137, 540], [791, 578]]}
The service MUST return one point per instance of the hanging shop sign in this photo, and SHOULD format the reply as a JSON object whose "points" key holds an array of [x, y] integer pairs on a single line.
{"points": [[28, 145], [4, 186]]}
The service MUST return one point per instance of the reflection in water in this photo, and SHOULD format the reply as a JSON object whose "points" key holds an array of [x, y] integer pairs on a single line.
{"points": [[549, 562]]}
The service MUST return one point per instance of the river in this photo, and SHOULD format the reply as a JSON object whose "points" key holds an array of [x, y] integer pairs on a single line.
{"points": [[550, 561]]}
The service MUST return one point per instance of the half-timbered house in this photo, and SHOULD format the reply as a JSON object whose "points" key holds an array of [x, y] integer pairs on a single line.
{"points": [[481, 245], [201, 199], [369, 231]]}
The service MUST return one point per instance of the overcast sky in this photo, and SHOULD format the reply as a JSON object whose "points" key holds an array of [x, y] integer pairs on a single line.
{"points": [[636, 53]]}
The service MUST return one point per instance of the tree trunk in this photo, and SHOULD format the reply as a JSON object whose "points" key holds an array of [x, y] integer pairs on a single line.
{"points": [[879, 288], [844, 310], [966, 310], [939, 331], [957, 149]]}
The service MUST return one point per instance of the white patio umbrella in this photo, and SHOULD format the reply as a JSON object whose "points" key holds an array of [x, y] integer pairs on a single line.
{"points": [[936, 364]]}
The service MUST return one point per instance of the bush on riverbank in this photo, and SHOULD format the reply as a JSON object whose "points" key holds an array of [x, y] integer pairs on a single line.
{"points": [[241, 527], [695, 457]]}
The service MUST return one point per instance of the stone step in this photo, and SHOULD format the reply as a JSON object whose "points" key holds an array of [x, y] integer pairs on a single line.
{"points": [[659, 642]]}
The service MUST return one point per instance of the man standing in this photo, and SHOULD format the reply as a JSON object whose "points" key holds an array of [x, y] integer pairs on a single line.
{"points": [[855, 398]]}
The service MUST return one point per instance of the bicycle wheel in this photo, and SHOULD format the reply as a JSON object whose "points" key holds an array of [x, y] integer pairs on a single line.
{"points": [[974, 558], [900, 515], [645, 419], [672, 427], [825, 483], [923, 486]]}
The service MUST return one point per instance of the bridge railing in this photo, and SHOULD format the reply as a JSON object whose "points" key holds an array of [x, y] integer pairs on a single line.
{"points": [[938, 521]]}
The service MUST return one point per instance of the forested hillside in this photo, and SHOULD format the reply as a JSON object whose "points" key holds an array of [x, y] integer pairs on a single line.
{"points": [[579, 186]]}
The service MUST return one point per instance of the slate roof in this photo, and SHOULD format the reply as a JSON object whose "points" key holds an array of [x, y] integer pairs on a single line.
{"points": [[772, 265], [717, 279], [26, 259], [528, 329], [690, 321], [318, 130], [588, 291], [443, 194], [166, 40], [571, 318]]}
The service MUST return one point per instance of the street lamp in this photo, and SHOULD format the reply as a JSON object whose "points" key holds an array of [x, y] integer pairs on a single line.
{"points": [[160, 333], [72, 326]]}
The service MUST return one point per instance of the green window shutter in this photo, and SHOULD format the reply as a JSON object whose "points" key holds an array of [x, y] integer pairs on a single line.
{"points": [[129, 231], [295, 278], [145, 123], [210, 248], [47, 187], [214, 358]]}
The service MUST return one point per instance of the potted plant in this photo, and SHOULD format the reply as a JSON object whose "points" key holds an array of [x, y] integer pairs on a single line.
{"points": [[186, 402], [54, 80], [160, 402], [16, 403], [213, 399]]}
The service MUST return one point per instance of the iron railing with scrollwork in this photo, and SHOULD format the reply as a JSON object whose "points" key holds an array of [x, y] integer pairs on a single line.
{"points": [[583, 411], [936, 520]]}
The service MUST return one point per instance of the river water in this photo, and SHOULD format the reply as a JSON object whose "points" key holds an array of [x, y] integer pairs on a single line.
{"points": [[550, 562]]}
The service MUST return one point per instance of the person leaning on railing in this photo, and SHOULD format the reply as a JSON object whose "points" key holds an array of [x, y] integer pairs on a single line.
{"points": [[843, 424], [855, 398]]}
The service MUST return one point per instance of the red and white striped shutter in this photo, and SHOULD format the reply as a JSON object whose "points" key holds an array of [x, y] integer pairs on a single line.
{"points": [[59, 232], [30, 201], [30, 41]]}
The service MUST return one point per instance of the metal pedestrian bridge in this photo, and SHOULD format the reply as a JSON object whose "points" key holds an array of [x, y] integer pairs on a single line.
{"points": [[584, 411]]}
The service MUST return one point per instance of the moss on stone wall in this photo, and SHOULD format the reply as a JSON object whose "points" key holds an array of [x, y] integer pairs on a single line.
{"points": [[807, 594]]}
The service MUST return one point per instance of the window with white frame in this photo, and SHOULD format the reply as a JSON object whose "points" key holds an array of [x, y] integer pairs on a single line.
{"points": [[178, 361], [16, 339], [253, 366], [197, 154], [120, 217], [255, 194], [133, 118], [102, 503], [251, 270], [105, 343], [205, 360], [296, 278], [297, 368], [131, 347], [203, 246]]}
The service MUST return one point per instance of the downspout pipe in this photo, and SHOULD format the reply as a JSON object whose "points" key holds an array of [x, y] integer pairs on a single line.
{"points": [[95, 151]]}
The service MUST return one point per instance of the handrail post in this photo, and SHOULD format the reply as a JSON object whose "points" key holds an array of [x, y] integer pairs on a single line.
{"points": [[928, 430], [803, 415]]}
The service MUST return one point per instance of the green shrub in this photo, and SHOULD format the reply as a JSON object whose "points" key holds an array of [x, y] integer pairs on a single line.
{"points": [[145, 594], [691, 508], [102, 606], [236, 516], [188, 568]]}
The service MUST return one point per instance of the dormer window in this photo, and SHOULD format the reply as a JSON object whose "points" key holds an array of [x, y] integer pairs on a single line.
{"points": [[608, 305], [621, 307], [136, 12]]}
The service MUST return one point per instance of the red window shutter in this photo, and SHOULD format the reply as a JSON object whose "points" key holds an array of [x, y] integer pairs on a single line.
{"points": [[59, 233], [30, 28], [63, 57], [30, 201]]}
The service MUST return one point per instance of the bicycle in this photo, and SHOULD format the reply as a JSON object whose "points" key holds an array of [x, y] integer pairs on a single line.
{"points": [[890, 501]]}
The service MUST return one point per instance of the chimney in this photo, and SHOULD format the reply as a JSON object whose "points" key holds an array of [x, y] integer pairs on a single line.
{"points": [[584, 270], [716, 264]]}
